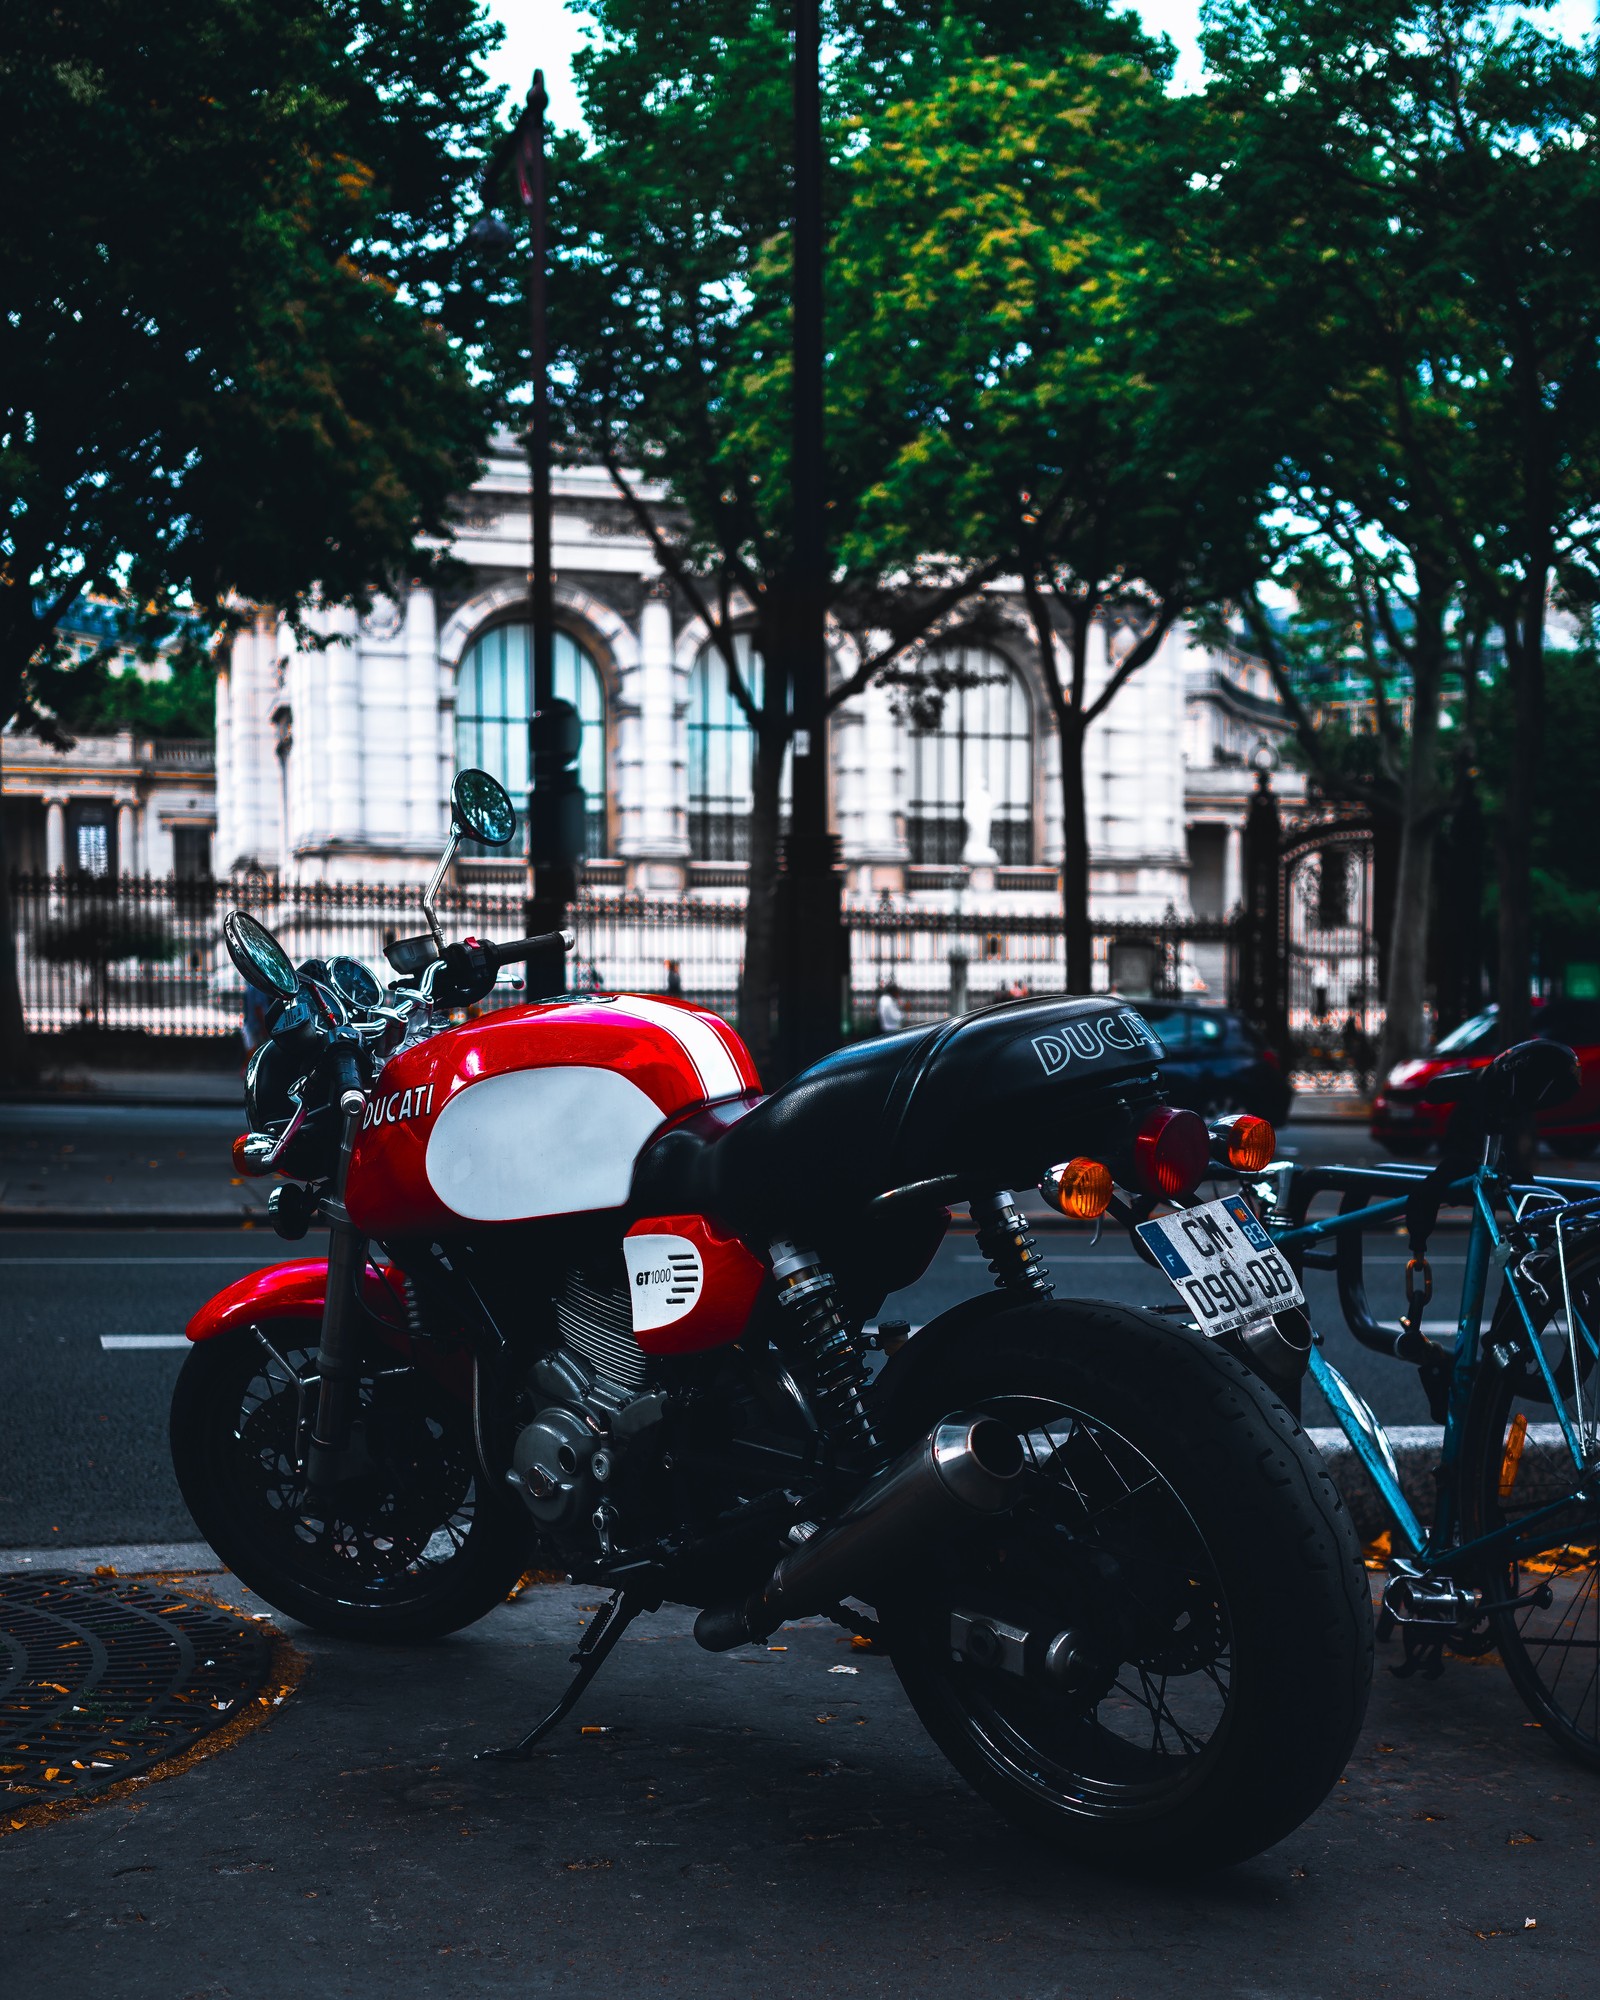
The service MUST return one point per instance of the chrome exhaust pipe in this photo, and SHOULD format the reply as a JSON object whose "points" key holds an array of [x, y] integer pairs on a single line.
{"points": [[965, 1468]]}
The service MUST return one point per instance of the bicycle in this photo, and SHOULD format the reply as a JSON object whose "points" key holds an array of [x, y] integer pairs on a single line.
{"points": [[1511, 1558]]}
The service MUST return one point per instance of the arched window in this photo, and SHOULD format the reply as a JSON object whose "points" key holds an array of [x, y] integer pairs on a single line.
{"points": [[493, 701], [721, 750], [981, 751]]}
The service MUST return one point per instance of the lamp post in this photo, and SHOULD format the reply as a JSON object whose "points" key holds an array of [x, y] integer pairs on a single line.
{"points": [[813, 961], [555, 819]]}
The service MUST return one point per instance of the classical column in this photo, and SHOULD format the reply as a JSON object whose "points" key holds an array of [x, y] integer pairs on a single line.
{"points": [[127, 857], [425, 748], [340, 668], [1232, 870], [652, 755], [55, 836], [875, 745], [226, 844]]}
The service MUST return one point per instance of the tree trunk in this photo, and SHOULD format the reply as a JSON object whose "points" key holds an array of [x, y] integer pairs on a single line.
{"points": [[758, 984], [1075, 855], [1514, 833], [1405, 990]]}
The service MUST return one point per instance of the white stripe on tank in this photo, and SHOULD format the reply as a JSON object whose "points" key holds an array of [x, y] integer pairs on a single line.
{"points": [[700, 1042]]}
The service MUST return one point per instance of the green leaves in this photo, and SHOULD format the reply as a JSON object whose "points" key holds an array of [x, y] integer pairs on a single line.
{"points": [[229, 227]]}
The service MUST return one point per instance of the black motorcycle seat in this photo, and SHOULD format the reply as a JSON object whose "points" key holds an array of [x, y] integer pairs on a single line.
{"points": [[992, 1098]]}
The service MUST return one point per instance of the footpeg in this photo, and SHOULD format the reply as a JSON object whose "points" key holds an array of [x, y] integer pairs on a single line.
{"points": [[1412, 1597]]}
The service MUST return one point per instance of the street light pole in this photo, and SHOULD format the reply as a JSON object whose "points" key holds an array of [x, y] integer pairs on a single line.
{"points": [[555, 819], [813, 961]]}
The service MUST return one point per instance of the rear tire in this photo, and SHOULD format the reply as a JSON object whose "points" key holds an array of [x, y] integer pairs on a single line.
{"points": [[406, 1552], [1217, 1592]]}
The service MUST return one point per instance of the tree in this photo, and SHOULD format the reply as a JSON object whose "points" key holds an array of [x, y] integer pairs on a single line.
{"points": [[1024, 287], [673, 310], [230, 232], [1421, 185]]}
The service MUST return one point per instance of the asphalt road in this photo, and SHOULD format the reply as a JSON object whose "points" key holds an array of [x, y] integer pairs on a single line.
{"points": [[760, 1825], [83, 1453]]}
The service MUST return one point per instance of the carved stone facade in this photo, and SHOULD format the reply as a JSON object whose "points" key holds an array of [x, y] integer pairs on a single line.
{"points": [[335, 764]]}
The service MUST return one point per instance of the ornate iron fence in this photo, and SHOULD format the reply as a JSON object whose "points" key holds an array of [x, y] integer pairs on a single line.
{"points": [[146, 954]]}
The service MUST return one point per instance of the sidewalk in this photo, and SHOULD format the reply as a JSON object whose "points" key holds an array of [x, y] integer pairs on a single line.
{"points": [[760, 1822], [132, 1163]]}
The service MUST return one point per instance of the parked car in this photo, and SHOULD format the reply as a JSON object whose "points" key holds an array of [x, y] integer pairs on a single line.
{"points": [[1217, 1062], [1403, 1123]]}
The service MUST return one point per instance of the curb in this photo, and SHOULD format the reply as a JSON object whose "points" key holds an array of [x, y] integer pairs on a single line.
{"points": [[1416, 1451], [134, 1218]]}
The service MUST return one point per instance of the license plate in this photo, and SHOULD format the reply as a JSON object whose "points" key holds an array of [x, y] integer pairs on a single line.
{"points": [[1223, 1264], [1400, 1112]]}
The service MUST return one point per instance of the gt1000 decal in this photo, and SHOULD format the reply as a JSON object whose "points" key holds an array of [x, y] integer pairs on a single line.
{"points": [[1119, 1034], [665, 1279], [398, 1105]]}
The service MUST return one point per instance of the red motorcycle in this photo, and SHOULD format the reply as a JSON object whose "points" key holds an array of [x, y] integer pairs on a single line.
{"points": [[593, 1300]]}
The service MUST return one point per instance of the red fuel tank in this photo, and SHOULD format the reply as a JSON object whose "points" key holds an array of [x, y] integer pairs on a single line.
{"points": [[533, 1111]]}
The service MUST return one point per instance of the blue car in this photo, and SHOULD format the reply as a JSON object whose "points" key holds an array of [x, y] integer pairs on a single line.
{"points": [[1216, 1062]]}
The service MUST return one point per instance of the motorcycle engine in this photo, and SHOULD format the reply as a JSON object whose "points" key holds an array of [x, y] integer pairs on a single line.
{"points": [[590, 1436]]}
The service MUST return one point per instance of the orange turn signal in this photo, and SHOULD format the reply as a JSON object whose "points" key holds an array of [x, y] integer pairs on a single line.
{"points": [[1252, 1142], [1081, 1189], [242, 1162]]}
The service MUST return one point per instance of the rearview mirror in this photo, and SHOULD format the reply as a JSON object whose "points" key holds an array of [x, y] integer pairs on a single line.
{"points": [[258, 957], [481, 808]]}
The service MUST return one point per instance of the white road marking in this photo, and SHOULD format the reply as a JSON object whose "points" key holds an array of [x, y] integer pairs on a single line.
{"points": [[121, 1343]]}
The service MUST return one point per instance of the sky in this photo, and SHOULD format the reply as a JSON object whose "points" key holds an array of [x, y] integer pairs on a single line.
{"points": [[544, 33]]}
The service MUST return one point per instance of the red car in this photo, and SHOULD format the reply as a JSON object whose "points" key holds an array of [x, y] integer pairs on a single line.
{"points": [[1403, 1123]]}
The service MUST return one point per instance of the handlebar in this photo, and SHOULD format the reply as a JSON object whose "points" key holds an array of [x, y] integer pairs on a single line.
{"points": [[347, 1080], [521, 948]]}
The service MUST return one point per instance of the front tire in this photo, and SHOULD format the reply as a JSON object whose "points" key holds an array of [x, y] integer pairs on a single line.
{"points": [[408, 1550], [1185, 1534]]}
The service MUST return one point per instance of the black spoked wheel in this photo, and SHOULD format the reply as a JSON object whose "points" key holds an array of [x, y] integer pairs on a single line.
{"points": [[1162, 1657], [407, 1548], [1544, 1593]]}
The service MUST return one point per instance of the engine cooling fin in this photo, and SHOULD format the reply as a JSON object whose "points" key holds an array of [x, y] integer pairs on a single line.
{"points": [[595, 1318]]}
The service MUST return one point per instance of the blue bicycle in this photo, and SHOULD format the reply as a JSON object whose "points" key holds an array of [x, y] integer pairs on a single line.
{"points": [[1511, 1556]]}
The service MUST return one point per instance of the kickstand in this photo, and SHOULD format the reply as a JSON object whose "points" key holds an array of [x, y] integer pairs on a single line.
{"points": [[599, 1636]]}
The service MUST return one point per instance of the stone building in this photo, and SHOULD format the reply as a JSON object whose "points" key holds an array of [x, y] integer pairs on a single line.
{"points": [[334, 764], [122, 803]]}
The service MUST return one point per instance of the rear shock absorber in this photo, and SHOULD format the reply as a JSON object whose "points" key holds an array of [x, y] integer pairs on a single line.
{"points": [[835, 1362], [1005, 1240]]}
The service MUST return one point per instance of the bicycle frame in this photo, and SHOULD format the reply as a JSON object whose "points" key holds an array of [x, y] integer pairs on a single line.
{"points": [[1435, 1547]]}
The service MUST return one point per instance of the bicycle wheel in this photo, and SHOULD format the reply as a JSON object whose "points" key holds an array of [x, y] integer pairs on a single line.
{"points": [[1544, 1597]]}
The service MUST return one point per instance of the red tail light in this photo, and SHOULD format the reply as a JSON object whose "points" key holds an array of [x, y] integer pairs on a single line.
{"points": [[1172, 1150]]}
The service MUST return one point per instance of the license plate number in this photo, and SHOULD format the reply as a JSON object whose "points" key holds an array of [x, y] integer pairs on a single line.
{"points": [[1223, 1264]]}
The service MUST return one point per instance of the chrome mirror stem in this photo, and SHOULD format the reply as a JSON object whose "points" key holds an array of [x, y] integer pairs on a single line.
{"points": [[431, 893]]}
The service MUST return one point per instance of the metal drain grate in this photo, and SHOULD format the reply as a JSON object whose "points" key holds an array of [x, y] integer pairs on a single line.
{"points": [[101, 1677]]}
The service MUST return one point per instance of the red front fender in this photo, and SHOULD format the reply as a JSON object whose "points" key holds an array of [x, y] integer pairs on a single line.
{"points": [[294, 1290]]}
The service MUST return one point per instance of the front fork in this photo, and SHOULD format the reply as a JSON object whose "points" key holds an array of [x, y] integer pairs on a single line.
{"points": [[333, 1427]]}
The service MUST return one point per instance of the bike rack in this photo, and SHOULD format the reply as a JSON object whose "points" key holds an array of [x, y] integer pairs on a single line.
{"points": [[1360, 1188]]}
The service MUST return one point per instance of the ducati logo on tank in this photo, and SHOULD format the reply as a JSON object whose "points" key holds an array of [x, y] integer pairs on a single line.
{"points": [[665, 1279], [397, 1106]]}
